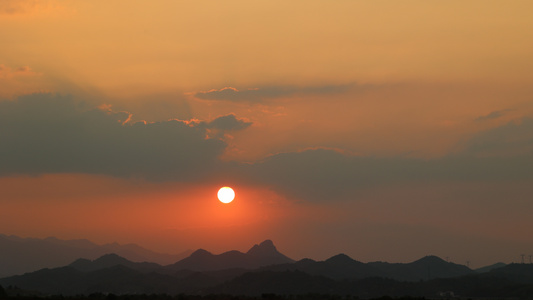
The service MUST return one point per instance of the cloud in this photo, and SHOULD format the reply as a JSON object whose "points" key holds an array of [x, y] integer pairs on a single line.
{"points": [[269, 92], [45, 133], [327, 175], [7, 72], [229, 122], [493, 115], [500, 155], [510, 139], [20, 80], [19, 7], [10, 7]]}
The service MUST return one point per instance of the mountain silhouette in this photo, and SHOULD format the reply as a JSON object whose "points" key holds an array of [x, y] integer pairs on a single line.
{"points": [[342, 266], [21, 255], [267, 254], [490, 267], [111, 260], [426, 268], [117, 279], [431, 267], [123, 280], [260, 255], [262, 269], [521, 273]]}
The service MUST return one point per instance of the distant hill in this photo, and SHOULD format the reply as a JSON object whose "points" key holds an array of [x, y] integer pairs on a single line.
{"points": [[112, 260], [20, 255], [117, 279], [263, 254], [426, 268], [342, 266], [112, 273], [339, 266], [490, 267], [521, 273]]}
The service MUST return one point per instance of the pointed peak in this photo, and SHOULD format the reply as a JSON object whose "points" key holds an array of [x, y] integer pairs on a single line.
{"points": [[267, 243], [80, 261], [200, 252], [265, 247]]}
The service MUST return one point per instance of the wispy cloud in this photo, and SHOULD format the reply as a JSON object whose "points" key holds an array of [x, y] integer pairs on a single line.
{"points": [[510, 139], [268, 92], [19, 7], [493, 115], [7, 72], [20, 80]]}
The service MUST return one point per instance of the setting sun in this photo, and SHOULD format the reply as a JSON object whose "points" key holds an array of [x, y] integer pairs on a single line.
{"points": [[226, 194]]}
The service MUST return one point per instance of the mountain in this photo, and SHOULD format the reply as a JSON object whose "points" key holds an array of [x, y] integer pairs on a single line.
{"points": [[123, 280], [267, 254], [69, 281], [114, 274], [259, 255], [342, 266], [426, 268], [137, 253], [112, 260], [19, 255], [490, 267], [521, 273], [338, 275]]}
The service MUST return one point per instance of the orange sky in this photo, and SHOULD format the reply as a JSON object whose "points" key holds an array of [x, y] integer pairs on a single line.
{"points": [[347, 126]]}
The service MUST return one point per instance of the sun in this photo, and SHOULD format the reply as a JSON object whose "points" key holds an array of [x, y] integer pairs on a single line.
{"points": [[226, 194]]}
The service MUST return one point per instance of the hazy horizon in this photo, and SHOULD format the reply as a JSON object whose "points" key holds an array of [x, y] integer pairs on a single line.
{"points": [[189, 251]]}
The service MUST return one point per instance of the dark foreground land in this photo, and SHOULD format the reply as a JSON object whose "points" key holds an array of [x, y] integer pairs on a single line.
{"points": [[100, 296], [14, 293]]}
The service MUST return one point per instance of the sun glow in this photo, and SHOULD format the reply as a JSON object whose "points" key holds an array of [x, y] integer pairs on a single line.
{"points": [[226, 194]]}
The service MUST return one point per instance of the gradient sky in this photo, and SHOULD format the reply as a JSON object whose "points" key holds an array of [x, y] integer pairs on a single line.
{"points": [[386, 130]]}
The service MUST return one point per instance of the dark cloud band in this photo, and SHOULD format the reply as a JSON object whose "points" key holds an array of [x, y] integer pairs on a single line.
{"points": [[44, 133]]}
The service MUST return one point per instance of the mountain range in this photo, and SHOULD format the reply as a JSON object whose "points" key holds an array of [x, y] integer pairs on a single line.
{"points": [[263, 269], [263, 254], [342, 266], [20, 255]]}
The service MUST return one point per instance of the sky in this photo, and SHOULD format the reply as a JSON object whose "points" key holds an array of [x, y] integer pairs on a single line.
{"points": [[385, 130]]}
